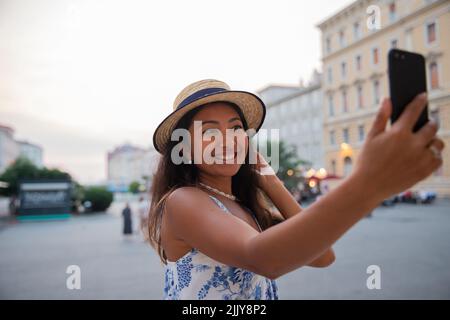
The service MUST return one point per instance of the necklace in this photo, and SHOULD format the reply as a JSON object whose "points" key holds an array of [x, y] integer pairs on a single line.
{"points": [[226, 195]]}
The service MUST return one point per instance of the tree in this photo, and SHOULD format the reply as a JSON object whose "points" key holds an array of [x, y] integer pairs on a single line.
{"points": [[289, 162], [134, 187], [77, 195], [99, 197]]}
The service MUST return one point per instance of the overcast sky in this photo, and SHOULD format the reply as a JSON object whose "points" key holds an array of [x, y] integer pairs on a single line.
{"points": [[80, 77]]}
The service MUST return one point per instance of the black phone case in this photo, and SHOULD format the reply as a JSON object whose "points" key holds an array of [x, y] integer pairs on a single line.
{"points": [[407, 79]]}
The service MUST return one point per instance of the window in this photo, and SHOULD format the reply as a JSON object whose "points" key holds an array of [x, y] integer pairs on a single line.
{"points": [[392, 11], [376, 92], [343, 69], [358, 62], [330, 75], [434, 75], [328, 44], [347, 166], [356, 31], [375, 54], [359, 93], [394, 43], [345, 135], [434, 114], [408, 40], [361, 133], [333, 166], [431, 32], [330, 105], [344, 101], [332, 138], [341, 38]]}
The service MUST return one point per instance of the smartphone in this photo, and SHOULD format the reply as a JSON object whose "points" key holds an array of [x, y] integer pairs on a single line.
{"points": [[407, 78]]}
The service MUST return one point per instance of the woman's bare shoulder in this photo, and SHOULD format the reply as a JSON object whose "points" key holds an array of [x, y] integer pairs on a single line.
{"points": [[186, 193], [186, 198]]}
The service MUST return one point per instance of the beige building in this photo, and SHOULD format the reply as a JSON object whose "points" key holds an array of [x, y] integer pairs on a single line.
{"points": [[355, 44], [128, 163], [296, 111], [10, 149]]}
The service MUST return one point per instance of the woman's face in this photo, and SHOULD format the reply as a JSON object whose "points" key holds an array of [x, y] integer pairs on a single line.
{"points": [[220, 155]]}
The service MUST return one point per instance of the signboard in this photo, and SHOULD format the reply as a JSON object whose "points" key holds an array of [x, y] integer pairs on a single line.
{"points": [[40, 197]]}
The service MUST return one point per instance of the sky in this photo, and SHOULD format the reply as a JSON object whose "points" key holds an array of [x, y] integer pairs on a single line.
{"points": [[81, 77]]}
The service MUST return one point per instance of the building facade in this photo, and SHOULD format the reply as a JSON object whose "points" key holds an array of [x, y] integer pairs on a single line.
{"points": [[128, 163], [9, 149], [32, 152], [355, 44], [297, 113]]}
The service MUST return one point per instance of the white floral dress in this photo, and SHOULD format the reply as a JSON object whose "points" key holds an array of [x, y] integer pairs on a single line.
{"points": [[197, 276]]}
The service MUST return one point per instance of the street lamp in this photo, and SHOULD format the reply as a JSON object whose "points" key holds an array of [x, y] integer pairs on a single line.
{"points": [[321, 173], [346, 150]]}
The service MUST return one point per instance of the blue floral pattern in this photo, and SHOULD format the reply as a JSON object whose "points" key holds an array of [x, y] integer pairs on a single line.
{"points": [[197, 276]]}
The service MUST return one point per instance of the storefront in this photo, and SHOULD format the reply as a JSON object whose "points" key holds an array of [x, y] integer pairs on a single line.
{"points": [[42, 199]]}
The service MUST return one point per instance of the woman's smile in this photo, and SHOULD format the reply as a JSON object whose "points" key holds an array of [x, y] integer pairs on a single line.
{"points": [[225, 155]]}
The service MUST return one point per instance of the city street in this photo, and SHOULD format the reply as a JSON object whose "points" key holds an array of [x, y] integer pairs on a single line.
{"points": [[410, 243]]}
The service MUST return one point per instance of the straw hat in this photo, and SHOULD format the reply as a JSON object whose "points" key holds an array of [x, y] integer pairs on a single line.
{"points": [[207, 91]]}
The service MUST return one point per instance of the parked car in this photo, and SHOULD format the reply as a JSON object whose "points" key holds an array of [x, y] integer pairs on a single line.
{"points": [[408, 197], [425, 196], [389, 202]]}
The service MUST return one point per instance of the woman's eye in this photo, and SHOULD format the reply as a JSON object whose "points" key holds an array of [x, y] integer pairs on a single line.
{"points": [[237, 127], [209, 131]]}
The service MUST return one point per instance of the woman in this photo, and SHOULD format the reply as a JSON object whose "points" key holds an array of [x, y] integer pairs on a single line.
{"points": [[127, 222], [209, 221]]}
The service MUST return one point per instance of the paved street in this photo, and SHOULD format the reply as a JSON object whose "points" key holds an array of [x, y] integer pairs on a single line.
{"points": [[410, 243]]}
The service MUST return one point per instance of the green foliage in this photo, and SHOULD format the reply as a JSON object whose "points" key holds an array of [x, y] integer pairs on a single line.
{"points": [[99, 197], [289, 163], [134, 187], [77, 195]]}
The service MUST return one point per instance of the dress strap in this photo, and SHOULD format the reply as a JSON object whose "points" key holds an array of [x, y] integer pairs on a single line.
{"points": [[223, 207], [220, 204]]}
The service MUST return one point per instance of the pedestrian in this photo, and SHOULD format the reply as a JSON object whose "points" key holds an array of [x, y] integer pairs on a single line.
{"points": [[142, 214], [12, 205], [127, 220]]}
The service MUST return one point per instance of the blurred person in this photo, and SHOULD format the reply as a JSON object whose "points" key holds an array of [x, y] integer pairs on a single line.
{"points": [[212, 229], [127, 220], [142, 214], [12, 205]]}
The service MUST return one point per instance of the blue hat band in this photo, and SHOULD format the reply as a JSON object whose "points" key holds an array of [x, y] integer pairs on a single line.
{"points": [[199, 94]]}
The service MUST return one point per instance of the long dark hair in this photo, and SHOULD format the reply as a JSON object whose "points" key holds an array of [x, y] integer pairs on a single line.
{"points": [[170, 176]]}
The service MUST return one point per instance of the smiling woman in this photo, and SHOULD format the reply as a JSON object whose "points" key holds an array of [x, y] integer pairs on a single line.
{"points": [[209, 221]]}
